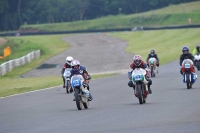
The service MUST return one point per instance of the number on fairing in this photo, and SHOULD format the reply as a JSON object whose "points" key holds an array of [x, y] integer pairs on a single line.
{"points": [[76, 83], [138, 77], [187, 65], [68, 73]]}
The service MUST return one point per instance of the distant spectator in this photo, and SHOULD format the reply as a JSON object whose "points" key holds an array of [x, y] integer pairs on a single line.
{"points": [[189, 21], [17, 34]]}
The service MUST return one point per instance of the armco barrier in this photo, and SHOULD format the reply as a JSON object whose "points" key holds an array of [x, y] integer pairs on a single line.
{"points": [[10, 65], [102, 30]]}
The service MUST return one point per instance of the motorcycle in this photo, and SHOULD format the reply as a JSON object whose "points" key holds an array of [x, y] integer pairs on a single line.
{"points": [[197, 61], [188, 77], [81, 93], [140, 82], [152, 66], [66, 75]]}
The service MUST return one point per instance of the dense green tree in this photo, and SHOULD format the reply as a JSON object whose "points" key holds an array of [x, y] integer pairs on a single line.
{"points": [[14, 13]]}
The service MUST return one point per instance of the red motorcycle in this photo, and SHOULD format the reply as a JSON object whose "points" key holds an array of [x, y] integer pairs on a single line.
{"points": [[189, 75]]}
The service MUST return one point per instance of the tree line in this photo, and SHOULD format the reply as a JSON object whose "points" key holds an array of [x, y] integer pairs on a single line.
{"points": [[14, 13]]}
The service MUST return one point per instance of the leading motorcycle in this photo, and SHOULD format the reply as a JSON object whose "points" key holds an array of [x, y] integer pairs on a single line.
{"points": [[80, 92], [140, 83]]}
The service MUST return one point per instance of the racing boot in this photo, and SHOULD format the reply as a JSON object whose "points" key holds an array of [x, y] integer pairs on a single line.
{"points": [[148, 85], [90, 97]]}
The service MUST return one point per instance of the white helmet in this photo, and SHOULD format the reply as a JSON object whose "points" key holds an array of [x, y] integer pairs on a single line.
{"points": [[75, 63], [69, 59]]}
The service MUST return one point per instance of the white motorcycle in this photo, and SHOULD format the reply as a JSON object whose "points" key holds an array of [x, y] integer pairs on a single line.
{"points": [[66, 75], [197, 61], [81, 93], [140, 82], [152, 66]]}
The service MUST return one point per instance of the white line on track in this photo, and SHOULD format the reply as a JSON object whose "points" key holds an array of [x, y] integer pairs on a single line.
{"points": [[110, 72]]}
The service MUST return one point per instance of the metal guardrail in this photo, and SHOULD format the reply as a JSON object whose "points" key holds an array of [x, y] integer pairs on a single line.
{"points": [[10, 65], [139, 28]]}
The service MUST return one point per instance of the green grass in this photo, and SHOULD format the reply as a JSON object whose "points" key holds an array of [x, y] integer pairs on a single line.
{"points": [[10, 86], [171, 15], [167, 43], [50, 45]]}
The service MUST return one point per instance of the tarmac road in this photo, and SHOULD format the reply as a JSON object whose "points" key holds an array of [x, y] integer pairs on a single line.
{"points": [[97, 52], [170, 109]]}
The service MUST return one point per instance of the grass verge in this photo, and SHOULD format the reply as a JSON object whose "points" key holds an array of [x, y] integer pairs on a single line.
{"points": [[171, 15], [10, 86], [167, 43]]}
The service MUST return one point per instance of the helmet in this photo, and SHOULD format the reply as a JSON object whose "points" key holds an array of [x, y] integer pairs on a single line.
{"points": [[198, 48], [137, 59], [75, 64], [185, 50], [69, 59], [152, 52]]}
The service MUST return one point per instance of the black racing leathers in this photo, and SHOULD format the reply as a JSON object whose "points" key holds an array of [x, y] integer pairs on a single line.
{"points": [[153, 56], [186, 56]]}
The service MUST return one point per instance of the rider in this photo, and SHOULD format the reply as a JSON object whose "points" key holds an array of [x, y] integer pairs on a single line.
{"points": [[196, 50], [186, 55], [78, 69], [153, 55], [66, 65], [138, 63]]}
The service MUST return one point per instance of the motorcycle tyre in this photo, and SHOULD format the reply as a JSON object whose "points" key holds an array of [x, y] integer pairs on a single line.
{"points": [[188, 81], [78, 99], [139, 93], [152, 73]]}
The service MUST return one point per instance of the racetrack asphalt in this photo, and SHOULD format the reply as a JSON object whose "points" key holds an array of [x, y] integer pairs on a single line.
{"points": [[98, 52], [172, 108]]}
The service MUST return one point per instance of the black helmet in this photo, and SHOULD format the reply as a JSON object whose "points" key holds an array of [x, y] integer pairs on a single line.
{"points": [[185, 50], [198, 48], [152, 52]]}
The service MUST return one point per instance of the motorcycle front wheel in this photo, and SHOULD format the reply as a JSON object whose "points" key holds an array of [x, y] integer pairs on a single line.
{"points": [[139, 93], [152, 74], [78, 99], [188, 81], [198, 65]]}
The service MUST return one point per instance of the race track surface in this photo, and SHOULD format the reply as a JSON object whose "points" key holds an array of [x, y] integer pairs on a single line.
{"points": [[97, 52], [170, 109]]}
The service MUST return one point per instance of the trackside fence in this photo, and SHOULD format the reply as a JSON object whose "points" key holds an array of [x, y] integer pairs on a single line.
{"points": [[10, 65]]}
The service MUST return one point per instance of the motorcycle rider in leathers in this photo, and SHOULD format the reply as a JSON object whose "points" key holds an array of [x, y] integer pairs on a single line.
{"points": [[138, 63], [66, 65], [195, 51], [153, 55], [78, 69], [186, 55]]}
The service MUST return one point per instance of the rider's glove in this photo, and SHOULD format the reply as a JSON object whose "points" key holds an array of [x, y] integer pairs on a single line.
{"points": [[88, 77]]}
